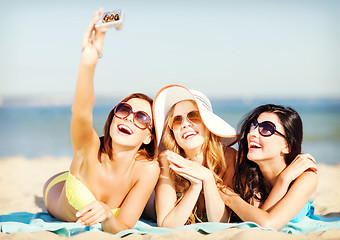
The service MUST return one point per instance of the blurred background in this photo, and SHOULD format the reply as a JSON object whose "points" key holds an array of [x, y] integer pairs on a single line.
{"points": [[239, 53]]}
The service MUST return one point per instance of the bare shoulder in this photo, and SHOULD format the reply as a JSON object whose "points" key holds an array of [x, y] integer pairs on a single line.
{"points": [[230, 156], [230, 152], [305, 185], [85, 158], [309, 178], [149, 168], [152, 166]]}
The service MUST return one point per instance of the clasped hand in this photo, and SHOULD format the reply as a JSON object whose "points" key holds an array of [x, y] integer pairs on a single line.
{"points": [[94, 213], [302, 162], [189, 169], [93, 39]]}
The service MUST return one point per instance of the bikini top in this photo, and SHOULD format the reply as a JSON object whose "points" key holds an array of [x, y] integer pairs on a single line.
{"points": [[78, 195]]}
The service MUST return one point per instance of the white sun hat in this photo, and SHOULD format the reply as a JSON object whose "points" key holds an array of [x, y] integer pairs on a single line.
{"points": [[172, 94]]}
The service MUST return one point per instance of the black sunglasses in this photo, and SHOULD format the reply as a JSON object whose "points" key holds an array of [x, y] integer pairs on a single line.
{"points": [[266, 128], [176, 121], [140, 118]]}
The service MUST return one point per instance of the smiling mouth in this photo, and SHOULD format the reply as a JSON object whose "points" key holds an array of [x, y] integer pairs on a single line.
{"points": [[254, 145], [189, 134], [124, 129]]}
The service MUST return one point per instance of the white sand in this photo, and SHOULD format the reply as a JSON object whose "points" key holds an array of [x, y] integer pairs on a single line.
{"points": [[22, 180]]}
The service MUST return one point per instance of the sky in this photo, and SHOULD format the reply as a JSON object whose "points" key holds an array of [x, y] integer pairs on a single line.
{"points": [[226, 49]]}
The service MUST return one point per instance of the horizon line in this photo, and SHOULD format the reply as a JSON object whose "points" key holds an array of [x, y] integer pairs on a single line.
{"points": [[32, 101]]}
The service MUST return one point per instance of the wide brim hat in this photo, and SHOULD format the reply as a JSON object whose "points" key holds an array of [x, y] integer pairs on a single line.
{"points": [[172, 94]]}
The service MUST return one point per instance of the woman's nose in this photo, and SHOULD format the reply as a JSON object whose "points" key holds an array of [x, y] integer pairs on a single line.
{"points": [[186, 123], [254, 131], [130, 117]]}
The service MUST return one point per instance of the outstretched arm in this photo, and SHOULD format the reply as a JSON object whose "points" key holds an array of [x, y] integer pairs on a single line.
{"points": [[82, 133]]}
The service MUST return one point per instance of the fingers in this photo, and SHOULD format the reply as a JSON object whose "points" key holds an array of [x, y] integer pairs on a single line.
{"points": [[85, 209], [187, 176], [226, 193], [223, 195], [306, 156], [185, 169], [173, 155], [178, 170], [306, 161], [189, 167], [94, 38], [163, 159], [92, 217], [99, 36], [310, 157], [88, 33], [226, 190], [92, 214], [314, 168], [177, 159], [302, 163]]}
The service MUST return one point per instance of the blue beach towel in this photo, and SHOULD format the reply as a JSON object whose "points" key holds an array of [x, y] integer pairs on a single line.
{"points": [[42, 221], [29, 222], [143, 227]]}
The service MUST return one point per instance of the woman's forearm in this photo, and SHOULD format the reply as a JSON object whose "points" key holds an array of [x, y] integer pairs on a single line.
{"points": [[215, 207], [283, 211], [181, 212], [92, 44], [112, 225], [84, 95], [248, 212], [276, 194]]}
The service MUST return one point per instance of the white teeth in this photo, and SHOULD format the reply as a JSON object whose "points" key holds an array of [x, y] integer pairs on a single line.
{"points": [[125, 129], [255, 144], [188, 134]]}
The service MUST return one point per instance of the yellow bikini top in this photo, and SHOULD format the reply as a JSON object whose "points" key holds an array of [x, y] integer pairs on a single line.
{"points": [[78, 195]]}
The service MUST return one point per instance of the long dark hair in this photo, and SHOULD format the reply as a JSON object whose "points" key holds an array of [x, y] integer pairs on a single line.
{"points": [[148, 151], [248, 181]]}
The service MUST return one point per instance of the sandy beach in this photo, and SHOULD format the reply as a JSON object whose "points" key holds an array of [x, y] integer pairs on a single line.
{"points": [[21, 182]]}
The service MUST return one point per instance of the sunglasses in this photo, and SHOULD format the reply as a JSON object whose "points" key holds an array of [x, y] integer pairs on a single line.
{"points": [[266, 128], [176, 121], [140, 118]]}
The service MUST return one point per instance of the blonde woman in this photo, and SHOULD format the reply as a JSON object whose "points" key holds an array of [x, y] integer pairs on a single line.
{"points": [[196, 161], [110, 178]]}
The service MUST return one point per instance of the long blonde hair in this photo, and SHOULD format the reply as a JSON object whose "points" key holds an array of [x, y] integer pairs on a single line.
{"points": [[213, 159]]}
